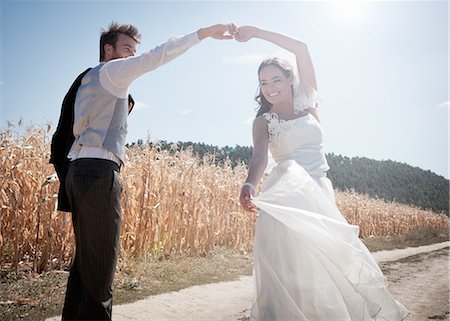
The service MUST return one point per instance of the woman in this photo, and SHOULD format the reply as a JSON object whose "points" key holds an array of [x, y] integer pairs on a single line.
{"points": [[309, 262]]}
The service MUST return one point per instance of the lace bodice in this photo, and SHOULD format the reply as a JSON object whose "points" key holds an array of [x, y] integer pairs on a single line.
{"points": [[300, 139]]}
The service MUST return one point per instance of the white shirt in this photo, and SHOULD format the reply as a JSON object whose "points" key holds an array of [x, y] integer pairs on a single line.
{"points": [[117, 75]]}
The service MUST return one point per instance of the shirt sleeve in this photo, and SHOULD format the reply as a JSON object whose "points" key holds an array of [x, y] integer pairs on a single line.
{"points": [[117, 75]]}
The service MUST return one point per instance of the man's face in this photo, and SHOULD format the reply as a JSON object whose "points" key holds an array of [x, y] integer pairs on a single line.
{"points": [[125, 47]]}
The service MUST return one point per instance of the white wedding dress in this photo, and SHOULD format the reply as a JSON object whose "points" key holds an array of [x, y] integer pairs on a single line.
{"points": [[309, 263]]}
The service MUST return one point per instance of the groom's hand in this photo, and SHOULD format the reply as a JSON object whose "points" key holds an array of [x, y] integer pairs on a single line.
{"points": [[219, 31]]}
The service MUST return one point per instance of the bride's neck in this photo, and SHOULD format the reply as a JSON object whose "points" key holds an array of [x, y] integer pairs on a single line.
{"points": [[282, 108]]}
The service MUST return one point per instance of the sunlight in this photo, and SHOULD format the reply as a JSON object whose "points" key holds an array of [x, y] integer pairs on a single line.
{"points": [[348, 11]]}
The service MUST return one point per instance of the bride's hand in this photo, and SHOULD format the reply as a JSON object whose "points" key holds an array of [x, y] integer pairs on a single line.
{"points": [[246, 199], [218, 31], [245, 33]]}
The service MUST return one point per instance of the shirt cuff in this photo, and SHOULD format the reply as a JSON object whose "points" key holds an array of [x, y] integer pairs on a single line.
{"points": [[194, 38]]}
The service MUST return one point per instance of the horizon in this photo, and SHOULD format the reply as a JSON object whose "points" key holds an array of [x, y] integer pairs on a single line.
{"points": [[129, 144]]}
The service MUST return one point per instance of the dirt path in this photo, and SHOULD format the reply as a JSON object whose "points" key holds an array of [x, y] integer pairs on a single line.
{"points": [[420, 282], [418, 278]]}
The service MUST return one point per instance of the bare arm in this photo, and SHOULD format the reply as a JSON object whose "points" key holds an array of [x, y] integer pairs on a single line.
{"points": [[297, 47], [258, 163]]}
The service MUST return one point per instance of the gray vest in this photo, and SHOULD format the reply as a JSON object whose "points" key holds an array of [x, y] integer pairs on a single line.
{"points": [[100, 117]]}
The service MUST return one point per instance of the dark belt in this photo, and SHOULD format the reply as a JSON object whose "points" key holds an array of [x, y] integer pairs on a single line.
{"points": [[90, 162]]}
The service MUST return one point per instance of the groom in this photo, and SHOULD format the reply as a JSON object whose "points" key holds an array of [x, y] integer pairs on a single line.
{"points": [[93, 182]]}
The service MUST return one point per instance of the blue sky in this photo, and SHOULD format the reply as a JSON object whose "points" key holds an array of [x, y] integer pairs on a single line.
{"points": [[382, 70]]}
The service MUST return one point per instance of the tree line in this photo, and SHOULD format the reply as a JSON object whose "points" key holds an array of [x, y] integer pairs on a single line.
{"points": [[386, 179]]}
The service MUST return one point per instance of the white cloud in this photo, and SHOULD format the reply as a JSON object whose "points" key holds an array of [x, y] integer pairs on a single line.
{"points": [[257, 58], [445, 104], [139, 105], [249, 59], [184, 111]]}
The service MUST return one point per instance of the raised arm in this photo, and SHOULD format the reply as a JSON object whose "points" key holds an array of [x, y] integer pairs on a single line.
{"points": [[258, 163], [297, 47], [116, 75]]}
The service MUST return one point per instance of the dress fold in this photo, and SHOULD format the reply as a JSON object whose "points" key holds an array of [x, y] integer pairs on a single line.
{"points": [[309, 262]]}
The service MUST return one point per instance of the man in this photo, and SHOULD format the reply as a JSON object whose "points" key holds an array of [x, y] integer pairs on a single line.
{"points": [[93, 183]]}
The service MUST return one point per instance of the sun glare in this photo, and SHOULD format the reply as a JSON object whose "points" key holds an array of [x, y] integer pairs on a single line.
{"points": [[348, 11]]}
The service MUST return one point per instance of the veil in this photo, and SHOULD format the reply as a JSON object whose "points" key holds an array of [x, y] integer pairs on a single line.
{"points": [[305, 96]]}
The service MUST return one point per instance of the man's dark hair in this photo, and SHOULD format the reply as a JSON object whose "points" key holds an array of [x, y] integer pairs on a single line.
{"points": [[110, 35]]}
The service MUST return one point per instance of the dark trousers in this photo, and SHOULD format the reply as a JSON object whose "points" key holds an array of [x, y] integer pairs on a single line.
{"points": [[94, 190]]}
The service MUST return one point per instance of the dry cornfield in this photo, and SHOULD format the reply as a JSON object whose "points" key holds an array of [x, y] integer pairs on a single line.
{"points": [[173, 202]]}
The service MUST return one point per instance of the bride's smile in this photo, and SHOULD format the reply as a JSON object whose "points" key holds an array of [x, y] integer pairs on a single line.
{"points": [[275, 86]]}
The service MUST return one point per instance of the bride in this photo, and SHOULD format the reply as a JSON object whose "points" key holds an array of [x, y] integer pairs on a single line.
{"points": [[309, 263]]}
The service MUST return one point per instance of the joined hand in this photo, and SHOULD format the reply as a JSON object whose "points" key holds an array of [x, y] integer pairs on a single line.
{"points": [[218, 31]]}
